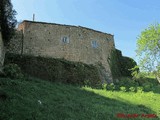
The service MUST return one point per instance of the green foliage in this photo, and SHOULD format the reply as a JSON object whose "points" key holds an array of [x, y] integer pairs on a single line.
{"points": [[59, 70], [146, 83], [7, 20], [147, 87], [143, 78], [110, 87], [13, 71], [114, 63], [123, 89], [156, 89], [121, 65], [127, 66], [132, 89], [140, 89], [104, 86], [134, 72], [127, 82], [148, 47]]}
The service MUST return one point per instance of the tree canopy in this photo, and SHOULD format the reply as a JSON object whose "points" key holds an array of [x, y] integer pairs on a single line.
{"points": [[148, 48], [7, 20]]}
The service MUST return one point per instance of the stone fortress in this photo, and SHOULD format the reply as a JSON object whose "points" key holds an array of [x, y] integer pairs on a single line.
{"points": [[73, 43]]}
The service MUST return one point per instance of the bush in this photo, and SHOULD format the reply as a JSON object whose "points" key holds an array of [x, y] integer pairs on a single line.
{"points": [[104, 86], [147, 87], [156, 89], [122, 88], [140, 89], [126, 82], [110, 87], [132, 89], [13, 71]]}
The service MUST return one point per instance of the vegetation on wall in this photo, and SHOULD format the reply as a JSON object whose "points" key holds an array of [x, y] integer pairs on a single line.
{"points": [[114, 62], [121, 65], [126, 66], [56, 69]]}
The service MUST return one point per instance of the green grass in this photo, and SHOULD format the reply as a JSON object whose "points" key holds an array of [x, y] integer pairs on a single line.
{"points": [[20, 100]]}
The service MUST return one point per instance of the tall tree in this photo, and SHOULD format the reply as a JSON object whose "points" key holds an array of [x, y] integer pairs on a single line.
{"points": [[148, 48], [7, 20]]}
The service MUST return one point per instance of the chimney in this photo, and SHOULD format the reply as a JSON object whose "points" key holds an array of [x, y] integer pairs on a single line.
{"points": [[33, 17]]}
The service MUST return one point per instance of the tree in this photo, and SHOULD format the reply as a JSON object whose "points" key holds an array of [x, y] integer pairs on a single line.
{"points": [[7, 25], [148, 48], [7, 20]]}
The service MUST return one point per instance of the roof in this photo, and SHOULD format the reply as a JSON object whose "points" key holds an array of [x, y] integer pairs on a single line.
{"points": [[65, 25]]}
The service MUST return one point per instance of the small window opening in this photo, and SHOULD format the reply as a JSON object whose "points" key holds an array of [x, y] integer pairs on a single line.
{"points": [[94, 44], [65, 40]]}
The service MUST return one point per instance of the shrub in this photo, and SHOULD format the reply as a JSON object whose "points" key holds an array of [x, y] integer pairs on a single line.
{"points": [[110, 87], [132, 89], [127, 82], [104, 86], [156, 89], [117, 87], [140, 89], [13, 71], [147, 86], [122, 88]]}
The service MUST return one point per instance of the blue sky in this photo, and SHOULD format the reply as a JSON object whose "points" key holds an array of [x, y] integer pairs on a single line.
{"points": [[125, 19]]}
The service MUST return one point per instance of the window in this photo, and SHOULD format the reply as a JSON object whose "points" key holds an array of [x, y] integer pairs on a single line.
{"points": [[94, 44], [65, 40]]}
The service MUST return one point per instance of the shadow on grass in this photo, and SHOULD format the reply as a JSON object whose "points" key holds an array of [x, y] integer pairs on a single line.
{"points": [[42, 100]]}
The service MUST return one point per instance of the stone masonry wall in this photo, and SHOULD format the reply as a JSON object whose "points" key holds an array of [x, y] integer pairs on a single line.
{"points": [[16, 44], [73, 43]]}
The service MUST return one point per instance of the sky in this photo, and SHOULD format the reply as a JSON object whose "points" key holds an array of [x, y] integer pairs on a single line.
{"points": [[125, 19]]}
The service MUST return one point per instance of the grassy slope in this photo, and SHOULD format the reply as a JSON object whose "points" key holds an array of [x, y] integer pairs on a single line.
{"points": [[66, 102]]}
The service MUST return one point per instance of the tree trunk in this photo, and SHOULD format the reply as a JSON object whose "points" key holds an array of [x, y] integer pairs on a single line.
{"points": [[158, 77], [2, 53]]}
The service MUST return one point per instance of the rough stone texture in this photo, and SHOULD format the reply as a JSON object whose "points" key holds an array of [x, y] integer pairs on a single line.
{"points": [[46, 39], [16, 44]]}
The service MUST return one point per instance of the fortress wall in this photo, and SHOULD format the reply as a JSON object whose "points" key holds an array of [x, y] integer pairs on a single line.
{"points": [[15, 45], [42, 39]]}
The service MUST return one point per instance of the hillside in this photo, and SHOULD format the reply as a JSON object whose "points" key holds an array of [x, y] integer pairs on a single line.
{"points": [[33, 99]]}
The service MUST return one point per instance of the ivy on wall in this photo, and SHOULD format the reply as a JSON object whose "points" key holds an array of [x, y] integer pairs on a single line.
{"points": [[120, 65], [115, 64], [59, 70]]}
